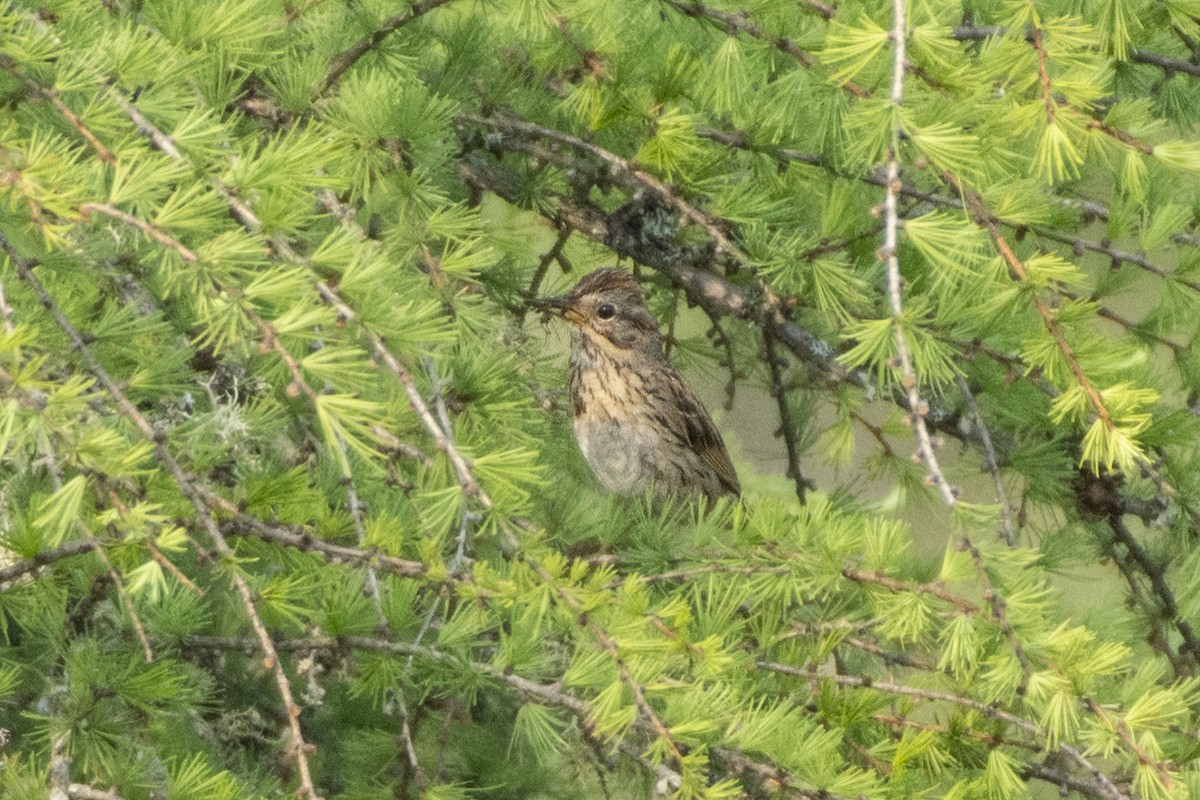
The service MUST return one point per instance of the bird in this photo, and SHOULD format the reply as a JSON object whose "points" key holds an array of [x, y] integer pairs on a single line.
{"points": [[636, 421]]}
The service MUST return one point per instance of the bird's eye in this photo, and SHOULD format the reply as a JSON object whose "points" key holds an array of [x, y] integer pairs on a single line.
{"points": [[606, 311]]}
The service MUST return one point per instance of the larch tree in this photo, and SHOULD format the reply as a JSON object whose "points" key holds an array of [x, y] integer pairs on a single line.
{"points": [[289, 501]]}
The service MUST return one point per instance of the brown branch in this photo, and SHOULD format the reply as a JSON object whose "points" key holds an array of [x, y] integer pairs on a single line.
{"points": [[166, 564], [787, 428], [934, 589], [157, 234], [44, 558], [50, 94], [1035, 36], [876, 433], [1156, 574], [1162, 770], [625, 171], [984, 219], [704, 287], [1124, 137], [741, 23]]}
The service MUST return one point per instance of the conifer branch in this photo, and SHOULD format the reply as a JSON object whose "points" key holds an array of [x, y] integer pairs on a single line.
{"points": [[555, 253], [1105, 788], [707, 289], [1124, 137], [624, 171], [45, 558], [175, 571], [247, 217], [708, 569], [157, 234], [1156, 574], [466, 479], [56, 478], [984, 219], [917, 408], [1030, 770], [990, 463], [139, 630], [999, 609], [825, 10], [550, 694], [147, 128], [783, 155], [933, 588], [410, 749], [876, 433], [1121, 728], [50, 94], [339, 64], [360, 529], [1168, 64], [128, 410], [1133, 327], [462, 557], [741, 23], [296, 538]]}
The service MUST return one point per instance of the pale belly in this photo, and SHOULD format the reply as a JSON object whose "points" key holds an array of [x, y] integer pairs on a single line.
{"points": [[620, 453]]}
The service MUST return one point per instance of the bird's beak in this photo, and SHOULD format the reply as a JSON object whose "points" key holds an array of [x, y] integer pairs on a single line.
{"points": [[562, 306]]}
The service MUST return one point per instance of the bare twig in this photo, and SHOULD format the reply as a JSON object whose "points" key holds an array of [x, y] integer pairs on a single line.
{"points": [[1156, 574], [349, 57], [1104, 784], [786, 426], [917, 408], [934, 589], [741, 22], [1006, 531], [154, 233], [45, 558]]}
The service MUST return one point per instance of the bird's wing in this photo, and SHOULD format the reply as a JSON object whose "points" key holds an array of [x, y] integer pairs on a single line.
{"points": [[702, 435]]}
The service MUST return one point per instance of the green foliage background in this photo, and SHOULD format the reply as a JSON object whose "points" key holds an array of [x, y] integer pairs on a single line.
{"points": [[288, 497]]}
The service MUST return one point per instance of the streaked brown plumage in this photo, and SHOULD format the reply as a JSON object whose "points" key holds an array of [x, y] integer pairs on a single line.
{"points": [[636, 421]]}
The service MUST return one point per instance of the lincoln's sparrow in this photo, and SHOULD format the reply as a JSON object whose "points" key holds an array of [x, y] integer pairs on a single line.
{"points": [[636, 421]]}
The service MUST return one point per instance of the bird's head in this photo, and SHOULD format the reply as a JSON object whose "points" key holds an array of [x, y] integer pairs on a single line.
{"points": [[607, 307]]}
